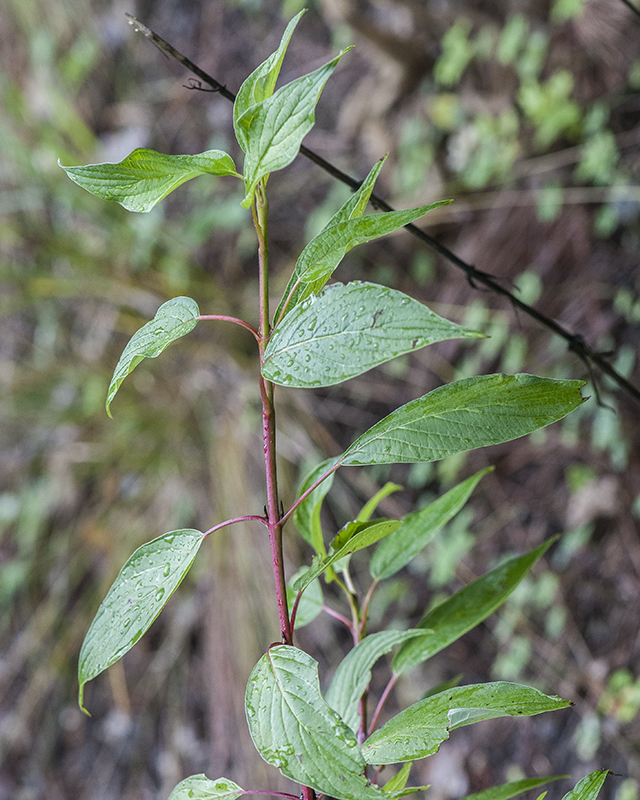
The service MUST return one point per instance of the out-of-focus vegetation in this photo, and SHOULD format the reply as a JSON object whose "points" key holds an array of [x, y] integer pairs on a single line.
{"points": [[530, 118]]}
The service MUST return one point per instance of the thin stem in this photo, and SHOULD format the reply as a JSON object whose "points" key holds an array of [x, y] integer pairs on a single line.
{"points": [[381, 702], [338, 616], [224, 318], [306, 494], [365, 607], [272, 794], [232, 522], [474, 276], [259, 210]]}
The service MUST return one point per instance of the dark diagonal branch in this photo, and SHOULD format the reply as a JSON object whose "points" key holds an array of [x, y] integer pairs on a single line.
{"points": [[475, 276]]}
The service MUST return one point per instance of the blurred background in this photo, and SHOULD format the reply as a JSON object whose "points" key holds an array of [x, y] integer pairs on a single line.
{"points": [[527, 113]]}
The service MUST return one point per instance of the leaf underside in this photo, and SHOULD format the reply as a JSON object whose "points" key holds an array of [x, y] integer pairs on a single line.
{"points": [[136, 597], [173, 319]]}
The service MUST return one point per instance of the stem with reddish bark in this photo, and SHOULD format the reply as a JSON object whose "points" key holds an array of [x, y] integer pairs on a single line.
{"points": [[260, 211]]}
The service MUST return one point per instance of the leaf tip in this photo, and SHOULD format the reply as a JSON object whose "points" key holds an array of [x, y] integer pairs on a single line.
{"points": [[81, 700]]}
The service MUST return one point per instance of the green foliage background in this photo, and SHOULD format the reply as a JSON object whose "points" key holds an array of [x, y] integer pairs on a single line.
{"points": [[530, 120]]}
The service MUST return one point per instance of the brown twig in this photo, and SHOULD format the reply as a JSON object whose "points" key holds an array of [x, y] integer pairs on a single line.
{"points": [[475, 276]]}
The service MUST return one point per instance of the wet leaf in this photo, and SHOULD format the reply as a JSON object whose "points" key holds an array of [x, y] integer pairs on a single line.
{"points": [[419, 730], [464, 415], [352, 209], [173, 319], [270, 132], [320, 258], [144, 177], [354, 672], [262, 81], [199, 787], [137, 596], [294, 729], [349, 329]]}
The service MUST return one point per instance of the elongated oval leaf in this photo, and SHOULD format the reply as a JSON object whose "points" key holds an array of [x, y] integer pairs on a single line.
{"points": [[262, 82], [294, 729], [467, 608], [144, 177], [419, 730], [474, 412], [320, 258], [349, 329], [354, 672], [352, 209], [419, 528], [272, 131], [307, 515], [137, 596], [589, 787], [311, 602], [199, 787], [173, 319], [353, 537], [512, 789]]}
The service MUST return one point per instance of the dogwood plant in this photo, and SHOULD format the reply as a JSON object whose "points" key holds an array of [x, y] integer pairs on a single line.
{"points": [[321, 334]]}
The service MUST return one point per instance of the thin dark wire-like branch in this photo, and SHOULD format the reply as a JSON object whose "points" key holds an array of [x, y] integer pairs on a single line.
{"points": [[475, 276], [631, 7]]}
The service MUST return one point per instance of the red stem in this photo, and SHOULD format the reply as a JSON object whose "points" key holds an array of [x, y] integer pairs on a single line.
{"points": [[306, 494], [224, 318], [232, 522], [259, 210], [381, 702]]}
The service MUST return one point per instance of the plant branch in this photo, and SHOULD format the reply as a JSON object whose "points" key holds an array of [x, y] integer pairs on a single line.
{"points": [[227, 522], [259, 210], [382, 701], [475, 276], [306, 493], [224, 318]]}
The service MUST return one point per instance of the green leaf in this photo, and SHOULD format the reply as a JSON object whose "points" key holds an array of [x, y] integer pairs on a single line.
{"points": [[262, 81], [466, 609], [589, 787], [354, 672], [307, 515], [144, 177], [354, 536], [349, 329], [320, 258], [512, 789], [399, 780], [137, 596], [474, 412], [271, 131], [294, 729], [352, 209], [370, 506], [419, 528], [311, 602], [173, 319], [419, 730], [199, 787]]}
